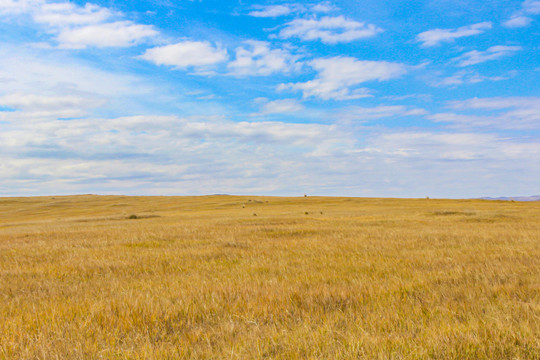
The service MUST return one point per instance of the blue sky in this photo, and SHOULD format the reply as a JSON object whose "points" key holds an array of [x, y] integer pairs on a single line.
{"points": [[358, 98]]}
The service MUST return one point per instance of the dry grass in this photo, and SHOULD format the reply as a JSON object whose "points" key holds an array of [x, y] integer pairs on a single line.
{"points": [[306, 278]]}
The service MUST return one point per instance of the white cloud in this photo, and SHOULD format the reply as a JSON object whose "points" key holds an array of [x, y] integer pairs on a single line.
{"points": [[517, 21], [521, 18], [63, 14], [521, 113], [162, 150], [34, 107], [329, 30], [55, 85], [492, 53], [116, 34], [531, 7], [282, 106], [77, 27], [219, 156], [186, 54], [10, 7], [338, 75], [43, 73], [428, 145], [468, 77], [325, 6], [436, 36], [496, 103], [198, 155], [32, 102], [272, 11], [363, 114], [257, 58], [288, 9]]}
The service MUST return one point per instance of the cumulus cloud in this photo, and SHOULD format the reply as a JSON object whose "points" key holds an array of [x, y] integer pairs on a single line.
{"points": [[257, 58], [337, 77], [186, 54], [77, 27], [436, 36], [495, 52], [329, 30]]}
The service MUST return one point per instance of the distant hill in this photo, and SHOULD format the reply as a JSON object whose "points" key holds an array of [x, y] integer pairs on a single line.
{"points": [[515, 198]]}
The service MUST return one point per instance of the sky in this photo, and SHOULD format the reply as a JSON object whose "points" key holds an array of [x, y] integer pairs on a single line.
{"points": [[437, 98]]}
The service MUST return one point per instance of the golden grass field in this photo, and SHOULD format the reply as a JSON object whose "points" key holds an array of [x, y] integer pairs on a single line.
{"points": [[227, 277]]}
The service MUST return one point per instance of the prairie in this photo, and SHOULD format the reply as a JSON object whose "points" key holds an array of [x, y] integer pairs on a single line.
{"points": [[248, 277]]}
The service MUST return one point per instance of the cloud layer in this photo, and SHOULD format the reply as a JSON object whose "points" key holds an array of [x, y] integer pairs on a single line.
{"points": [[280, 98]]}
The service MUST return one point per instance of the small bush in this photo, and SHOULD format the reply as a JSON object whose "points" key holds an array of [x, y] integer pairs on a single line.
{"points": [[133, 216]]}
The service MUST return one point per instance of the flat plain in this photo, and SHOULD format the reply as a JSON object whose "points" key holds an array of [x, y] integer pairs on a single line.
{"points": [[240, 277]]}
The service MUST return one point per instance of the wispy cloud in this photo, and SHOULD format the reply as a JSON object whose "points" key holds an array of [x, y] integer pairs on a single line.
{"points": [[338, 76], [468, 77], [521, 18], [364, 114], [329, 30], [436, 36], [32, 102], [531, 6], [476, 57], [61, 75], [517, 21], [522, 113], [273, 11], [281, 106]]}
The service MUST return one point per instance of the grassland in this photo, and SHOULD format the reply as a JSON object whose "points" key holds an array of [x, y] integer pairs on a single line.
{"points": [[222, 277]]}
